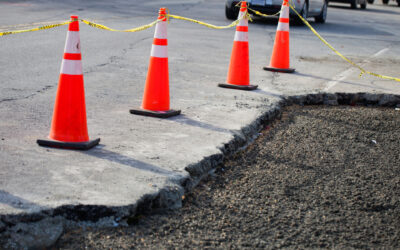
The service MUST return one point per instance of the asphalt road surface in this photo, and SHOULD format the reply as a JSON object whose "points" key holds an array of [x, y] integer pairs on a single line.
{"points": [[30, 62]]}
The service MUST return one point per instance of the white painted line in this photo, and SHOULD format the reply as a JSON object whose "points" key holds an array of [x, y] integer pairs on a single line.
{"points": [[343, 75]]}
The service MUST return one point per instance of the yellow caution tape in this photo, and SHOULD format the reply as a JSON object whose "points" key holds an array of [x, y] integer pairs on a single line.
{"points": [[234, 23], [363, 71], [255, 11], [99, 26], [262, 14], [45, 27]]}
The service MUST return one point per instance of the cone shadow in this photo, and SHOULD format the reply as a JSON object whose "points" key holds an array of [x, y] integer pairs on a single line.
{"points": [[127, 161], [182, 119], [17, 202]]}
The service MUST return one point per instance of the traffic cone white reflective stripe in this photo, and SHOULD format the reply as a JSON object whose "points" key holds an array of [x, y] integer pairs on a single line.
{"points": [[159, 48], [71, 67], [242, 34], [160, 43], [161, 30], [243, 22], [72, 44], [72, 60], [283, 24]]}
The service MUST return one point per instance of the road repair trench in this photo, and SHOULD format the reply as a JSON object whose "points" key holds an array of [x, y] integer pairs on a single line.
{"points": [[320, 177]]}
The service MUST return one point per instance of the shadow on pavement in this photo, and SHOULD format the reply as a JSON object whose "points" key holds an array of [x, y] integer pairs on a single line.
{"points": [[105, 154], [182, 119], [345, 82], [17, 202], [260, 91]]}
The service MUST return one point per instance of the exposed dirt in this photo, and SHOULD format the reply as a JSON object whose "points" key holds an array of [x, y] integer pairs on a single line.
{"points": [[322, 177]]}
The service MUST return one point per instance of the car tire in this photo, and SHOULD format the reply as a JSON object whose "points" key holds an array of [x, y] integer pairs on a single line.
{"points": [[372, 1], [231, 13], [385, 1], [398, 3], [363, 5], [303, 13], [353, 4], [321, 18]]}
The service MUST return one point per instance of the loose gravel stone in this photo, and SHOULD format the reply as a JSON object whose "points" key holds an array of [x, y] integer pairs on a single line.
{"points": [[321, 177]]}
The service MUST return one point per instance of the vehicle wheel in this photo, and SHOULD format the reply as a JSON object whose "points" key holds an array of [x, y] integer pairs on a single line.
{"points": [[321, 18], [353, 4], [370, 1], [385, 1], [363, 5], [398, 3], [303, 13], [231, 13]]}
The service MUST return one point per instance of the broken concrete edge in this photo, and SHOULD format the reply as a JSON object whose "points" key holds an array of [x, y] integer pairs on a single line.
{"points": [[76, 216], [247, 134]]}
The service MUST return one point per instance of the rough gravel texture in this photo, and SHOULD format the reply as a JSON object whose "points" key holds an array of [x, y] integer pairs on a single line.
{"points": [[321, 177]]}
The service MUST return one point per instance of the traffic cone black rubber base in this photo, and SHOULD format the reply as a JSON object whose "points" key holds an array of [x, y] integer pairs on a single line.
{"points": [[158, 114], [241, 87], [69, 145], [289, 70]]}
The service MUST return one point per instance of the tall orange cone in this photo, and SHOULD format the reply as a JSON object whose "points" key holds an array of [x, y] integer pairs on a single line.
{"points": [[239, 69], [156, 93], [69, 127], [280, 54]]}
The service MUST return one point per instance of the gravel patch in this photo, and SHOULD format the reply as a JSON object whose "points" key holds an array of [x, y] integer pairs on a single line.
{"points": [[321, 177]]}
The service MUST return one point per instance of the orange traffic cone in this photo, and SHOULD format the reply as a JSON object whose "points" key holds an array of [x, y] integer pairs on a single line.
{"points": [[156, 93], [280, 54], [68, 127], [238, 74]]}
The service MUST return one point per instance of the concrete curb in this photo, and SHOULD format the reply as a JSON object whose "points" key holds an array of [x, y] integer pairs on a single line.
{"points": [[72, 216]]}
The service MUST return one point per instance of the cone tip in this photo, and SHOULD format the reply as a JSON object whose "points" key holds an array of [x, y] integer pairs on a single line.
{"points": [[162, 13], [243, 6], [74, 17]]}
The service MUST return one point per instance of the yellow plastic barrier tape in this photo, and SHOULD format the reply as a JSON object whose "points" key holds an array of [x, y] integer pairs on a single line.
{"points": [[262, 14], [255, 11], [45, 27], [99, 26], [363, 71], [234, 23]]}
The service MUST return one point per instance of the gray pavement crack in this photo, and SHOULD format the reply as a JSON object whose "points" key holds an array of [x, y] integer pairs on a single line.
{"points": [[116, 59], [40, 91]]}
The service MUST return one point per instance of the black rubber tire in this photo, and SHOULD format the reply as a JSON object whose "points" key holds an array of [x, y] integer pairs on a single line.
{"points": [[303, 13], [321, 18], [385, 1], [231, 13], [398, 3], [363, 5], [370, 1], [353, 4]]}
